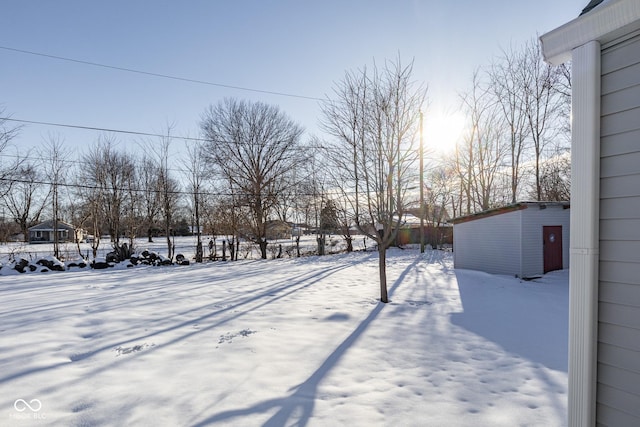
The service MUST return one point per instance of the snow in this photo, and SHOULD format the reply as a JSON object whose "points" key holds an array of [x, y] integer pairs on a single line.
{"points": [[297, 341]]}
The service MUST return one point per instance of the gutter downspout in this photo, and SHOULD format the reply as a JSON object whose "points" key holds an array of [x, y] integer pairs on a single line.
{"points": [[584, 239]]}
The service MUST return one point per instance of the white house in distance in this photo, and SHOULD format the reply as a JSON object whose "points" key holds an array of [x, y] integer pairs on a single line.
{"points": [[45, 232], [525, 239], [603, 45]]}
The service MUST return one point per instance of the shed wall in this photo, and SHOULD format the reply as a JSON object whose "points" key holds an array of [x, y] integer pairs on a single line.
{"points": [[490, 244], [533, 219], [618, 377]]}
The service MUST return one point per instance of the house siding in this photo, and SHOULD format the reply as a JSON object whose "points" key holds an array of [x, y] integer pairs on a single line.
{"points": [[533, 220], [490, 244], [618, 368]]}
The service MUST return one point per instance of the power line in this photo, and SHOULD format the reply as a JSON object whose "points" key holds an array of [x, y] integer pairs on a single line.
{"points": [[164, 76], [136, 133], [129, 132], [126, 189], [29, 156]]}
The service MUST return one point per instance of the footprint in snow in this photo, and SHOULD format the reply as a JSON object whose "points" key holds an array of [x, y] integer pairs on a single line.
{"points": [[230, 336], [127, 350]]}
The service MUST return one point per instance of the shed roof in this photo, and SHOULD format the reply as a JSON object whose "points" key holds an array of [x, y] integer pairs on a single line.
{"points": [[509, 208]]}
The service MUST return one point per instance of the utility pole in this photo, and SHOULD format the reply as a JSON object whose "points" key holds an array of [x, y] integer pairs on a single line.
{"points": [[421, 188]]}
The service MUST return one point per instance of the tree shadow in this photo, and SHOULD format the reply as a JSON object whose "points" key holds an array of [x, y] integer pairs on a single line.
{"points": [[296, 409], [215, 314]]}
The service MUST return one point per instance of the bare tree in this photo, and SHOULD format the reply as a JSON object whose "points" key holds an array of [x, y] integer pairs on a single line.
{"points": [[480, 159], [79, 212], [168, 190], [111, 174], [543, 89], [169, 195], [344, 223], [56, 171], [133, 207], [89, 214], [506, 79], [226, 219], [555, 177], [195, 168], [254, 147], [563, 88], [314, 195], [287, 200], [149, 194], [28, 197], [518, 118], [166, 187], [7, 134], [374, 118], [305, 203], [439, 195]]}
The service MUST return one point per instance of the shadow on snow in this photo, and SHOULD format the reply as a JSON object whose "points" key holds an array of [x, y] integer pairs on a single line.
{"points": [[297, 408]]}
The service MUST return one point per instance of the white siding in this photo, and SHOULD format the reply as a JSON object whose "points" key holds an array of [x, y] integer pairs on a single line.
{"points": [[533, 219], [618, 390], [490, 244]]}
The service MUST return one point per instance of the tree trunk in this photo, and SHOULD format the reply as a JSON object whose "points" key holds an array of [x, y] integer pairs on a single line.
{"points": [[349, 244], [263, 248], [169, 251], [199, 251], [382, 266], [24, 229], [321, 244], [199, 234], [538, 184], [96, 237]]}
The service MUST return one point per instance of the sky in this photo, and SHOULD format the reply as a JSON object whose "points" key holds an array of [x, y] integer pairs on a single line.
{"points": [[300, 48]]}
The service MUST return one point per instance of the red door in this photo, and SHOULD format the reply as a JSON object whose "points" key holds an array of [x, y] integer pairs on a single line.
{"points": [[552, 247]]}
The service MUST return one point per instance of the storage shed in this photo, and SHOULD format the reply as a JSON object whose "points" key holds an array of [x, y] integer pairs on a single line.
{"points": [[525, 239], [603, 45]]}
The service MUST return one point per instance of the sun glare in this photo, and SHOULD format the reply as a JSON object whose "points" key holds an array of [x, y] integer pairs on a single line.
{"points": [[442, 131]]}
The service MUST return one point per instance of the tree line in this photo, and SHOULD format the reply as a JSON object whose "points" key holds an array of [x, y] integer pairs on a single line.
{"points": [[517, 141], [254, 167]]}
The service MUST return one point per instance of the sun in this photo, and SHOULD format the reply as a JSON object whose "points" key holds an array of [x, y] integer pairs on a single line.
{"points": [[443, 130]]}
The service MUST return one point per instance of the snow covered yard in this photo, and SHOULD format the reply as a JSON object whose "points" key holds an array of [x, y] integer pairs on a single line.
{"points": [[284, 342]]}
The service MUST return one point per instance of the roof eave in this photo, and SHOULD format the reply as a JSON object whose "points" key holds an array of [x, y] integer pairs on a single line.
{"points": [[518, 206], [604, 23]]}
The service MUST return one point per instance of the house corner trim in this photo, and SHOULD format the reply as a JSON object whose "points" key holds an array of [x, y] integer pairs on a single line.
{"points": [[584, 243]]}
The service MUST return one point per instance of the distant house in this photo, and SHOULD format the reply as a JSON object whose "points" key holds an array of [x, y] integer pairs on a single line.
{"points": [[525, 239], [278, 230], [603, 45], [44, 232]]}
